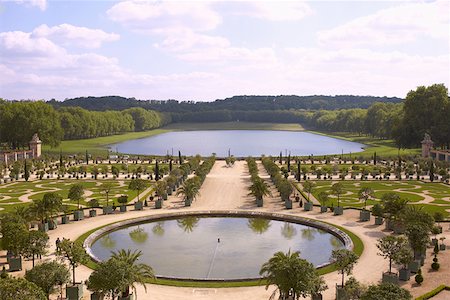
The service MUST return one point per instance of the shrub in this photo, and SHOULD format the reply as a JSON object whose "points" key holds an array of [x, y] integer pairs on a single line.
{"points": [[419, 278]]}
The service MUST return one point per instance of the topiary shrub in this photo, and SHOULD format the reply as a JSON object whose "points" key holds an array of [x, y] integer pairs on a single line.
{"points": [[419, 278], [435, 265]]}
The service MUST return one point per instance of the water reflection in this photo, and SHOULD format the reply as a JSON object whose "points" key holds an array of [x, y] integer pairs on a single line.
{"points": [[335, 242], [288, 230], [158, 229], [108, 242], [188, 223], [258, 225], [139, 235], [309, 233]]}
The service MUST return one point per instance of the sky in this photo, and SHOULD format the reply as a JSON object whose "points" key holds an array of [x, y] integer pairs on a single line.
{"points": [[207, 50]]}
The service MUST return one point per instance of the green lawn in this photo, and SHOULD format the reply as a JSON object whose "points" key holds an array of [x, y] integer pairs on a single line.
{"points": [[416, 192], [10, 192]]}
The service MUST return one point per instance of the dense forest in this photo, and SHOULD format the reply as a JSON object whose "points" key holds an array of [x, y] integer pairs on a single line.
{"points": [[424, 110], [236, 103]]}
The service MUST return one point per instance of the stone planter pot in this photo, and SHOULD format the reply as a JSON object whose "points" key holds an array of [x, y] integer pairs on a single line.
{"points": [[64, 219], [442, 247], [308, 206], [74, 292], [164, 197], [323, 209], [129, 297], [78, 215], [414, 266], [364, 215], [316, 297], [187, 202], [43, 227], [95, 296], [288, 203], [123, 208], [92, 213], [169, 191], [338, 210], [15, 264], [259, 202], [389, 225], [107, 210], [53, 224], [138, 205], [158, 204], [390, 278], [404, 274], [341, 293], [434, 242], [378, 220]]}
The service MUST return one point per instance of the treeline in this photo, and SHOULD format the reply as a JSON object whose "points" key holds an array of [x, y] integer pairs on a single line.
{"points": [[236, 103], [19, 120]]}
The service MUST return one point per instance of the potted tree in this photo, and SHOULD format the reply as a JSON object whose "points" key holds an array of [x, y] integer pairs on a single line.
{"points": [[259, 189], [344, 261], [160, 189], [65, 217], [308, 187], [75, 254], [377, 212], [404, 257], [93, 203], [364, 194], [43, 209], [338, 189], [14, 240], [389, 247], [123, 200], [418, 237], [48, 276], [76, 193], [318, 285], [106, 188], [442, 246], [189, 190], [323, 198], [36, 244], [137, 185]]}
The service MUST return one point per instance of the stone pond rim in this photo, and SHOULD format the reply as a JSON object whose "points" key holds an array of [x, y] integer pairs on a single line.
{"points": [[97, 234]]}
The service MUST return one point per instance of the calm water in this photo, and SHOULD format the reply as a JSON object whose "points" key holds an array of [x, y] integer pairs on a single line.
{"points": [[240, 142], [189, 247]]}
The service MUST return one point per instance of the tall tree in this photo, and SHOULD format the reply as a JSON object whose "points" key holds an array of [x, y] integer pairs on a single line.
{"points": [[20, 289], [76, 193], [48, 275], [74, 253], [344, 260]]}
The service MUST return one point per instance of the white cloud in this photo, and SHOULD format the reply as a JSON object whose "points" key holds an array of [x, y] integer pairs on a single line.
{"points": [[41, 4], [395, 25], [163, 16], [187, 39], [68, 35], [274, 10]]}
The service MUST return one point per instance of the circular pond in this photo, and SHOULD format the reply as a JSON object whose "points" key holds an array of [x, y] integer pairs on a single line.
{"points": [[215, 247]]}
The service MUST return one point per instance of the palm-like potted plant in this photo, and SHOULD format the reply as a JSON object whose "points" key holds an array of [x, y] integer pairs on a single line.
{"points": [[259, 189], [190, 190], [44, 209], [123, 200], [365, 193]]}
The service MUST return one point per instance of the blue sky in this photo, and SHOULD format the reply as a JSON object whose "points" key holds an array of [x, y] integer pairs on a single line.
{"points": [[207, 50]]}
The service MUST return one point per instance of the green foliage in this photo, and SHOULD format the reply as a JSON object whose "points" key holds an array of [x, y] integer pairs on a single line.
{"points": [[344, 261], [20, 289], [43, 209], [20, 120], [390, 246], [292, 275], [76, 193], [137, 185], [37, 244], [74, 253], [377, 210], [434, 292], [419, 278], [48, 275], [386, 291], [123, 199], [14, 234]]}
